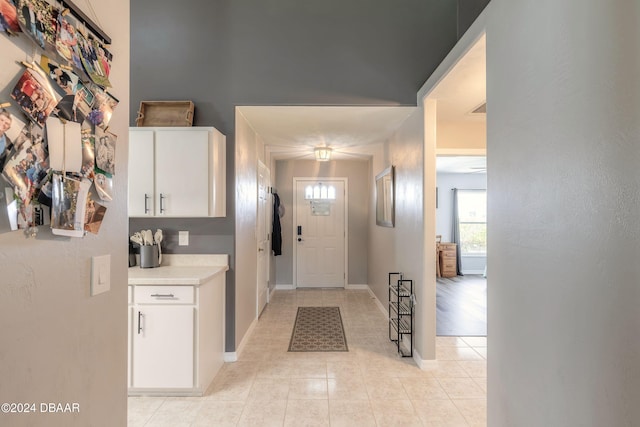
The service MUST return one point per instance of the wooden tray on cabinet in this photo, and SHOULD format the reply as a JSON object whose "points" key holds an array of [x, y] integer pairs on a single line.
{"points": [[165, 113]]}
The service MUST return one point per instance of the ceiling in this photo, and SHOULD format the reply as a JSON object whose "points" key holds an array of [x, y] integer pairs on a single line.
{"points": [[464, 88], [352, 132], [461, 164], [293, 132]]}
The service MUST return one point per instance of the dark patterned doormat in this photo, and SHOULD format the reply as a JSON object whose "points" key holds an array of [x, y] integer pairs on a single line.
{"points": [[318, 329]]}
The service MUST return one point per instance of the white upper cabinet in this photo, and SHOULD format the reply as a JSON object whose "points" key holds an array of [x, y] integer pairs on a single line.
{"points": [[177, 172]]}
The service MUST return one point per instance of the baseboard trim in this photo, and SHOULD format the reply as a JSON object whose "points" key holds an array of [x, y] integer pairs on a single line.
{"points": [[381, 306], [271, 294], [357, 287], [285, 287], [232, 356], [424, 364], [473, 271]]}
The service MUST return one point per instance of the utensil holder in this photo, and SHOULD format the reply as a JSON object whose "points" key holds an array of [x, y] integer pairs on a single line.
{"points": [[149, 256]]}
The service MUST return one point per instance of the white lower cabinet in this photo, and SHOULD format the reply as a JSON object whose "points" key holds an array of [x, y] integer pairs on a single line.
{"points": [[176, 337], [163, 346]]}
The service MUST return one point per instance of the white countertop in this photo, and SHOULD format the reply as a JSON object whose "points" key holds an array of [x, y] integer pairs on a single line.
{"points": [[180, 270]]}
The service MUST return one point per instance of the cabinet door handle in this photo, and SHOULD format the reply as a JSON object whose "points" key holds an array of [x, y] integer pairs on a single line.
{"points": [[163, 295], [146, 203], [139, 322], [161, 204]]}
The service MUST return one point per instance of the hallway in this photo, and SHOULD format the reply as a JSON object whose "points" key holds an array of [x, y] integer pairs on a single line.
{"points": [[366, 386]]}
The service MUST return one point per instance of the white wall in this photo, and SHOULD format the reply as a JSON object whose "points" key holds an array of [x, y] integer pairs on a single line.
{"points": [[58, 344], [462, 135], [563, 156], [249, 149], [402, 248], [446, 182], [357, 173]]}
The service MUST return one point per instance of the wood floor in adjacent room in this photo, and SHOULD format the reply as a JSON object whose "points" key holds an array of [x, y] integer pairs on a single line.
{"points": [[461, 306]]}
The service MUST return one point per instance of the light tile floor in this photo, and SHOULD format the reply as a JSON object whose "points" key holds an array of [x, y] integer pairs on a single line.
{"points": [[367, 386]]}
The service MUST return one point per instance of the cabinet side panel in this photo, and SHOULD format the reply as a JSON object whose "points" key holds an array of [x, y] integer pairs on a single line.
{"points": [[210, 344], [218, 174]]}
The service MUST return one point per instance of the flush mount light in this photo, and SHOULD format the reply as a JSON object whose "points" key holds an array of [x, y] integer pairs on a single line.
{"points": [[323, 154]]}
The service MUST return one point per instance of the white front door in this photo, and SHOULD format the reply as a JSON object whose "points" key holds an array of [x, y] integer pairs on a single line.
{"points": [[319, 233], [263, 237]]}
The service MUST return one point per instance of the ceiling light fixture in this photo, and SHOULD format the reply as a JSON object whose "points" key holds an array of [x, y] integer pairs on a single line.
{"points": [[323, 154]]}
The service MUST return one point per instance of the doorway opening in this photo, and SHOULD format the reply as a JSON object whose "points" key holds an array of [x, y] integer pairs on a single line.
{"points": [[456, 106], [461, 223]]}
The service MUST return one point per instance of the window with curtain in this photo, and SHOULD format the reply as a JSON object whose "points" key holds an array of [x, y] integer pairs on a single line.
{"points": [[472, 214]]}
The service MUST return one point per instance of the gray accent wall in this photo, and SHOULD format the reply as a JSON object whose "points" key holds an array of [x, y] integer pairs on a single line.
{"points": [[224, 53], [468, 11]]}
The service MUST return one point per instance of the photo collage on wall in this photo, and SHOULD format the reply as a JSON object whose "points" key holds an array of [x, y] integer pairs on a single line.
{"points": [[68, 84]]}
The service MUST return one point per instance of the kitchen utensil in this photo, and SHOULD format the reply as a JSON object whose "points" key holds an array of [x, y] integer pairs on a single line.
{"points": [[157, 238], [137, 238], [147, 237]]}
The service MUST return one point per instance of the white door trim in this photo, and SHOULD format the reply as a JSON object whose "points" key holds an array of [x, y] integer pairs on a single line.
{"points": [[345, 181], [261, 167]]}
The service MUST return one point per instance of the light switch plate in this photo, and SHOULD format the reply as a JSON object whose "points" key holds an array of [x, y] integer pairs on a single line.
{"points": [[183, 238], [100, 274]]}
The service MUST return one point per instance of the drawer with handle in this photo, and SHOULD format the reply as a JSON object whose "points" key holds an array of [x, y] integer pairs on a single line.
{"points": [[449, 253], [164, 295]]}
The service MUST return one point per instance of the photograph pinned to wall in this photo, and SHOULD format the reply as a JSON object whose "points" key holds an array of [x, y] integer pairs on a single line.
{"points": [[103, 62], [67, 40], [10, 129], [103, 105], [86, 49], [82, 102], [26, 170], [39, 20], [29, 135], [25, 216], [88, 155], [94, 215], [104, 186], [68, 208], [8, 17], [66, 81], [105, 151], [31, 215], [44, 196], [34, 95]]}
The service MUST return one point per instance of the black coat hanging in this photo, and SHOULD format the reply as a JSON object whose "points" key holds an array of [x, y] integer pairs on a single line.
{"points": [[276, 235]]}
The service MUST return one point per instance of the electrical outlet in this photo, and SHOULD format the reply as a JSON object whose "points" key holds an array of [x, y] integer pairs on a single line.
{"points": [[100, 274], [183, 238]]}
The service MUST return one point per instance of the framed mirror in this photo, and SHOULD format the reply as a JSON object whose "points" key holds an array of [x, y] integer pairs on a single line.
{"points": [[385, 197]]}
